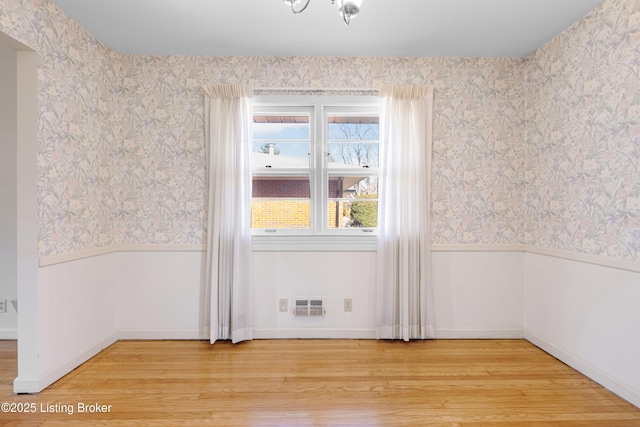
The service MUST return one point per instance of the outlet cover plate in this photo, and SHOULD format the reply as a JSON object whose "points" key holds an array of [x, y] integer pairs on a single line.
{"points": [[3, 305], [348, 304], [283, 304]]}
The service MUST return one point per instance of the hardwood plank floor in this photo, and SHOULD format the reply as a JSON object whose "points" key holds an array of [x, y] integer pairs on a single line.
{"points": [[319, 382]]}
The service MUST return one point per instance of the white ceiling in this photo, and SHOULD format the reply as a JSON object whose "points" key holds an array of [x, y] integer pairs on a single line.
{"points": [[383, 28]]}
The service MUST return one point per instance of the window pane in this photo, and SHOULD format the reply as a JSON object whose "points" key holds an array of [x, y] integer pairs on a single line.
{"points": [[352, 214], [268, 155], [280, 127], [281, 202], [353, 187], [280, 141], [353, 128], [353, 141], [353, 201], [348, 154]]}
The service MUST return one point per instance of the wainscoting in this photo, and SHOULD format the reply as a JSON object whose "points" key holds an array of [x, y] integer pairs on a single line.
{"points": [[580, 312]]}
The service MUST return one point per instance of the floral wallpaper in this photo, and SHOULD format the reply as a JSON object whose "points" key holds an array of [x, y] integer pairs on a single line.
{"points": [[160, 166], [542, 150], [77, 131], [582, 148], [479, 124]]}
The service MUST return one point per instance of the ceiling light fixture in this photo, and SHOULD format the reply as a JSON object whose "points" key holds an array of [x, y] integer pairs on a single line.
{"points": [[348, 9]]}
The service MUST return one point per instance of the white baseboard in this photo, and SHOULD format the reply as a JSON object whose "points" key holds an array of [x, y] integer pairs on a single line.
{"points": [[35, 385], [27, 385], [470, 334], [162, 334], [607, 381], [8, 334], [314, 333], [371, 334]]}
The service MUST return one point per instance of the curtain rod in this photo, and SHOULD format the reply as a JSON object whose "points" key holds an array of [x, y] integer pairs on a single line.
{"points": [[322, 89]]}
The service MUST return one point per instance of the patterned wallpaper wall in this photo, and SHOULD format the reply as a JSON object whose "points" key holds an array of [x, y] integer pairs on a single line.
{"points": [[478, 130], [122, 152], [583, 136], [77, 131]]}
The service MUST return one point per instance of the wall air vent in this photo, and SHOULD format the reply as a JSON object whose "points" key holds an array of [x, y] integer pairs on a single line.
{"points": [[309, 307]]}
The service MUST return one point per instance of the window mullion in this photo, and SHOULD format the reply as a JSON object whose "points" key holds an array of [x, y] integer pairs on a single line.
{"points": [[319, 170]]}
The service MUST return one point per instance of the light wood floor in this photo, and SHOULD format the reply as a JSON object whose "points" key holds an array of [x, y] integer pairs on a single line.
{"points": [[321, 382]]}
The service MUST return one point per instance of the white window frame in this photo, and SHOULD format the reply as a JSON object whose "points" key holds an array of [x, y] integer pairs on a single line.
{"points": [[318, 237]]}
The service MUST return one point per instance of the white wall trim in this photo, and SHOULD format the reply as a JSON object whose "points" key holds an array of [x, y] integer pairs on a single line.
{"points": [[63, 369], [48, 260], [607, 381], [462, 247], [152, 247], [27, 385], [462, 334], [27, 215], [8, 334], [604, 261], [330, 333], [162, 334], [314, 333], [45, 261], [35, 385]]}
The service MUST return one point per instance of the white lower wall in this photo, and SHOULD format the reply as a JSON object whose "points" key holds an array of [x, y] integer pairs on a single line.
{"points": [[587, 316], [161, 294], [330, 275], [584, 314], [478, 294], [76, 314]]}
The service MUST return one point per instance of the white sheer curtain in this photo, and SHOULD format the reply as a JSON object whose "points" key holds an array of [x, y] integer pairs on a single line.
{"points": [[227, 114], [404, 292]]}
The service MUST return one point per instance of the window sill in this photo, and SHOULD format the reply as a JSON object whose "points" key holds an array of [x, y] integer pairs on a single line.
{"points": [[307, 243]]}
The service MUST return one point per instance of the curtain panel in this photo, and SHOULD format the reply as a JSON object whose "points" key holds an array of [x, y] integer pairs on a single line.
{"points": [[227, 114], [404, 285]]}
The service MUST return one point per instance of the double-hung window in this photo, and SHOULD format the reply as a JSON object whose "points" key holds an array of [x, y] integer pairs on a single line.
{"points": [[315, 172]]}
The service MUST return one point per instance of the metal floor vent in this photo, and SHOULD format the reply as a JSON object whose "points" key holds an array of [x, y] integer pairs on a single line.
{"points": [[309, 308]]}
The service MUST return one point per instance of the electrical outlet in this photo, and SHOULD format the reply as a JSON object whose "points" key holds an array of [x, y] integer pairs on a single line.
{"points": [[3, 305], [284, 305], [348, 304]]}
